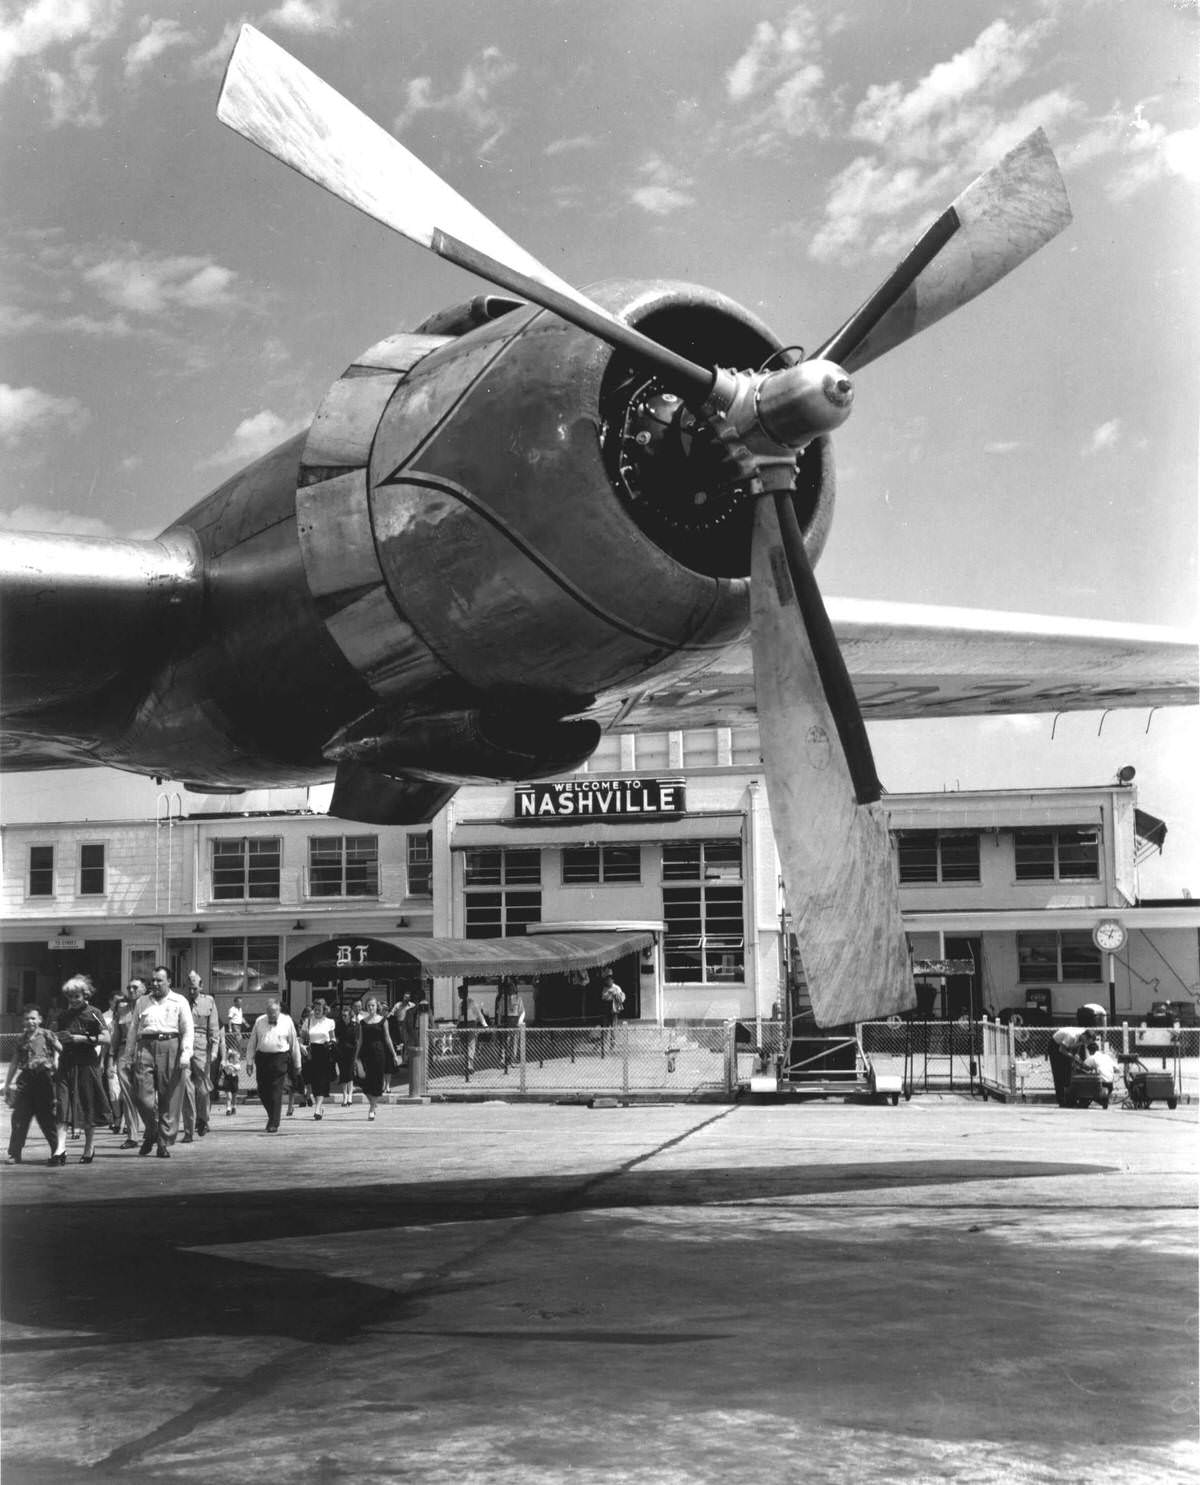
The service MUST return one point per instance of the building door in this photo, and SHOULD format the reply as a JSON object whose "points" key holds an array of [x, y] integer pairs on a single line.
{"points": [[964, 994]]}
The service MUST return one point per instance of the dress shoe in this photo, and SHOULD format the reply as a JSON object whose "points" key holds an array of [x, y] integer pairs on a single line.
{"points": [[189, 1139], [163, 1153], [128, 1145], [87, 1159], [146, 1146], [201, 1128], [58, 1159], [14, 1160], [272, 1128]]}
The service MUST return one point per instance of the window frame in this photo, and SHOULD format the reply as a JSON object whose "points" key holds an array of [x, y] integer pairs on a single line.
{"points": [[49, 871], [608, 872], [1081, 964], [102, 890], [937, 840], [508, 881], [698, 871], [1023, 872], [418, 867], [346, 892], [247, 893]]}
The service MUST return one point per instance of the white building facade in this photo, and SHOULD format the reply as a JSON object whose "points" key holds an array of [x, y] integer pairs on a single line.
{"points": [[109, 874]]}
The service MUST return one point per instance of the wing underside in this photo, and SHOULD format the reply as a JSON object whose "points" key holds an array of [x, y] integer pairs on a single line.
{"points": [[914, 661]]}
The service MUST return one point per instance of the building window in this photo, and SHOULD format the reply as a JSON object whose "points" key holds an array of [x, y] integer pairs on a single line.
{"points": [[705, 937], [245, 966], [1068, 855], [91, 870], [246, 867], [938, 856], [343, 866], [1069, 956], [503, 892], [588, 864], [420, 864], [41, 871]]}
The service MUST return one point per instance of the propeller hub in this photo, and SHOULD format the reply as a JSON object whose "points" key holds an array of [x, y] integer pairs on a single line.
{"points": [[796, 404]]}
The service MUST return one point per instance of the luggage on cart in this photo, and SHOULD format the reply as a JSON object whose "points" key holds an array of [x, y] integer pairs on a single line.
{"points": [[1143, 1085], [1087, 1087]]}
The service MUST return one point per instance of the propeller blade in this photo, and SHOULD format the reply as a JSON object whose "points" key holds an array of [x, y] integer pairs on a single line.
{"points": [[838, 868], [1001, 219], [271, 99]]}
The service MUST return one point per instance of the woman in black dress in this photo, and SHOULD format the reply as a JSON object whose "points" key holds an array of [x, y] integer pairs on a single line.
{"points": [[374, 1053], [347, 1051], [79, 1088], [319, 1038]]}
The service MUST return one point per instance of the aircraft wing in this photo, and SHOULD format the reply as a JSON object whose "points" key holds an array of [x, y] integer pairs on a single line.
{"points": [[917, 660]]}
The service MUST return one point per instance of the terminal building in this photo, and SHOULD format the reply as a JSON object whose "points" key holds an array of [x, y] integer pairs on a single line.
{"points": [[1019, 901]]}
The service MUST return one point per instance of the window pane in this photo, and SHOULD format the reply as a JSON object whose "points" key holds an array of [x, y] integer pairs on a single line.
{"points": [[1079, 854], [263, 876], [420, 865], [723, 860], [960, 858], [1037, 957], [580, 864], [522, 867], [682, 964], [917, 853], [228, 869], [41, 871], [483, 868], [228, 974], [1034, 853], [700, 748], [262, 965], [1080, 957], [91, 870], [681, 862], [362, 866], [521, 908], [622, 863], [484, 912]]}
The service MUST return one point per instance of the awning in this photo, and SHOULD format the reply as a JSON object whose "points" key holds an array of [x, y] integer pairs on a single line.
{"points": [[362, 957], [1150, 831]]}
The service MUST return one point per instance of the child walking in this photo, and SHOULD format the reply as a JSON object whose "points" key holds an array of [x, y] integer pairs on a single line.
{"points": [[32, 1071]]}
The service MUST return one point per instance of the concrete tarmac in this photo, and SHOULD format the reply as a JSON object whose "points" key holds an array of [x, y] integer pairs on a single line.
{"points": [[818, 1292]]}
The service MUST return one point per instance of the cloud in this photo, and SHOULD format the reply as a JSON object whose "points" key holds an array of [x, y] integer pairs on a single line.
{"points": [[664, 189], [31, 40], [254, 437], [1002, 446], [26, 413], [148, 285], [570, 146], [54, 522], [781, 77], [307, 16], [927, 141], [472, 102], [1104, 437], [157, 37]]}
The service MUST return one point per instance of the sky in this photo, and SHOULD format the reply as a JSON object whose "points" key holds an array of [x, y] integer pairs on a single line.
{"points": [[174, 303]]}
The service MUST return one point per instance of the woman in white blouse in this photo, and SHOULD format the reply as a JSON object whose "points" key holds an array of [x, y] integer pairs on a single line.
{"points": [[319, 1037]]}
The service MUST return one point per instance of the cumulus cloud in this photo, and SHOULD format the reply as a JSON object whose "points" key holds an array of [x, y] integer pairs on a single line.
{"points": [[54, 43], [664, 189], [254, 437], [571, 146], [145, 284], [28, 414], [1002, 446], [1138, 151], [473, 102], [780, 79], [157, 37], [306, 16]]}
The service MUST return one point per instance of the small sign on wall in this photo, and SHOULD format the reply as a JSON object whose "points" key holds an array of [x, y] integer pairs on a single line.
{"points": [[63, 942]]}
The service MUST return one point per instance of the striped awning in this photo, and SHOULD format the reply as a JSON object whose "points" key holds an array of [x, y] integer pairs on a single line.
{"points": [[362, 957]]}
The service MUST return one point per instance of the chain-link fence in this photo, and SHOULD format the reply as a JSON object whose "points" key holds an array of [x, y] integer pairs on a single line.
{"points": [[631, 1057]]}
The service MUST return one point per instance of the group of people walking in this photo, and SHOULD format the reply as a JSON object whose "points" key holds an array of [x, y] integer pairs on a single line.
{"points": [[147, 1069]]}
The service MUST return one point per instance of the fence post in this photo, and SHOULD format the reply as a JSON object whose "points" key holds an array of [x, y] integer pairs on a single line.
{"points": [[1012, 1057], [521, 1052], [418, 1066], [731, 1055]]}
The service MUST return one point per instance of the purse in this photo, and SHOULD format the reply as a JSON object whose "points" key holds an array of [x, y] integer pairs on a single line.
{"points": [[360, 1071]]}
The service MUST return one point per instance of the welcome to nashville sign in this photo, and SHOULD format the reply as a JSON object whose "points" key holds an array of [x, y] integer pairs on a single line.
{"points": [[601, 799]]}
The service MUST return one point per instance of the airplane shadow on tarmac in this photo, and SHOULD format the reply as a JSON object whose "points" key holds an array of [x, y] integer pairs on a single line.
{"points": [[120, 1269]]}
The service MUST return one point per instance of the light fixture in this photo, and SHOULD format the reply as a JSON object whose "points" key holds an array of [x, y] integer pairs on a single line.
{"points": [[298, 925], [199, 928], [64, 933], [401, 922], [1127, 774]]}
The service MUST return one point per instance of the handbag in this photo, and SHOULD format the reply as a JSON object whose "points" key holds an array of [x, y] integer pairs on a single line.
{"points": [[360, 1071]]}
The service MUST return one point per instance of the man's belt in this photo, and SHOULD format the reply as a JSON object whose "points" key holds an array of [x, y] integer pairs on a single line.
{"points": [[159, 1036]]}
